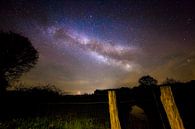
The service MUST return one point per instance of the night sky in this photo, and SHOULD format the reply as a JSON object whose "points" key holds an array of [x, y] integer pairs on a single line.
{"points": [[86, 44]]}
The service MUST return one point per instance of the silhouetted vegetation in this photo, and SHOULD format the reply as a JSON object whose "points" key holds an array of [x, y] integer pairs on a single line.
{"points": [[46, 103], [46, 107], [147, 81], [17, 56]]}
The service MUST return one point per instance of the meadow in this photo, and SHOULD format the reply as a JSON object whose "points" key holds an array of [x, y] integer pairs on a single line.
{"points": [[34, 110], [68, 121]]}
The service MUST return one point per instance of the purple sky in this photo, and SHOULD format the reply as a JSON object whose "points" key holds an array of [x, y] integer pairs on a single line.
{"points": [[87, 45]]}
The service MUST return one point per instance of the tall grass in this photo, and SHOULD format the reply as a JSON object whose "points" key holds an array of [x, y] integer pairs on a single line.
{"points": [[55, 122]]}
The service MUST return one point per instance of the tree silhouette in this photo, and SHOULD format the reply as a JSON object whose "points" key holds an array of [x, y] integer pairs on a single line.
{"points": [[147, 81], [17, 55], [170, 81]]}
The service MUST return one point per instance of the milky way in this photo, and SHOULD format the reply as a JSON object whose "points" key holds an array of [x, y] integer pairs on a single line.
{"points": [[88, 45], [102, 51]]}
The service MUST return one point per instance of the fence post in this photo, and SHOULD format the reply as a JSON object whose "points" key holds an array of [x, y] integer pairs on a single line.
{"points": [[114, 119], [171, 108]]}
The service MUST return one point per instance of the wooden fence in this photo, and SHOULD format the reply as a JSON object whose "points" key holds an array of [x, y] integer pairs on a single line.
{"points": [[167, 100]]}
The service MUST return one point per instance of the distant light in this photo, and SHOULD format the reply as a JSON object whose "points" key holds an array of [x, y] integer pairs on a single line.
{"points": [[78, 92]]}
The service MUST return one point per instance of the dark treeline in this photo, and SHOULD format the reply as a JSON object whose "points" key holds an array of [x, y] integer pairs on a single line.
{"points": [[27, 102]]}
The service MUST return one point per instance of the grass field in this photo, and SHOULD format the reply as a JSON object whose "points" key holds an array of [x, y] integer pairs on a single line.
{"points": [[69, 121]]}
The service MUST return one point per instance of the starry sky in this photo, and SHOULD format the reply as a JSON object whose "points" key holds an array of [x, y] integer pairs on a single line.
{"points": [[97, 44]]}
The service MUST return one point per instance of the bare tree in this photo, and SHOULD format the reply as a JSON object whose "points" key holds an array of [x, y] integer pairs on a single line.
{"points": [[17, 55]]}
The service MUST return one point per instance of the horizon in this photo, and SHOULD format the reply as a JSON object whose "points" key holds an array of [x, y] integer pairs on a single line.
{"points": [[19, 86]]}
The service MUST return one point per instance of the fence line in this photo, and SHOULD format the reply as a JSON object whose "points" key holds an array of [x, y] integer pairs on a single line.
{"points": [[82, 103], [76, 103]]}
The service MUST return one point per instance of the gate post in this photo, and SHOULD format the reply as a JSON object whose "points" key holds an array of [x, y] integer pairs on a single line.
{"points": [[114, 120], [171, 108]]}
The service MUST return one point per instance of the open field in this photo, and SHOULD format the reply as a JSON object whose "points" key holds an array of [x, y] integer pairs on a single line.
{"points": [[65, 121], [56, 116]]}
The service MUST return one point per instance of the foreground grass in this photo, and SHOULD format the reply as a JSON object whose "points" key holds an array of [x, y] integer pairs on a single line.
{"points": [[56, 122]]}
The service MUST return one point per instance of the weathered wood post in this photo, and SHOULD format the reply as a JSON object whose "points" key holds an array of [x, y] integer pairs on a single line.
{"points": [[114, 119], [171, 108]]}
